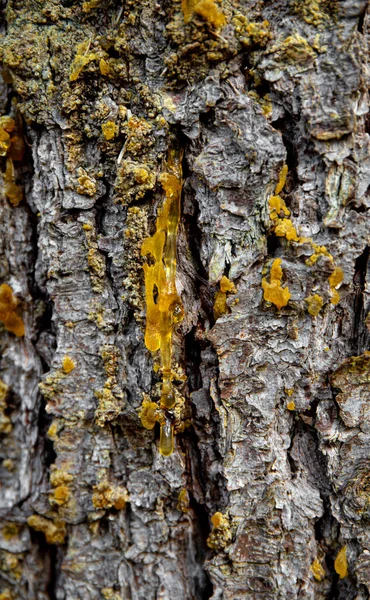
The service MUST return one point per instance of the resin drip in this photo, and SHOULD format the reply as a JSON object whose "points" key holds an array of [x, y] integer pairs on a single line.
{"points": [[163, 305]]}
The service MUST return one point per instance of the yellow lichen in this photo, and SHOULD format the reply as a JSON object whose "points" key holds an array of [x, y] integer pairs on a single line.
{"points": [[277, 206], [273, 292], [291, 405], [335, 280], [109, 130], [83, 57], [6, 595], [340, 563], [61, 495], [285, 228], [164, 307], [86, 184], [318, 251], [104, 67], [90, 5], [68, 364], [296, 49], [207, 9], [8, 306], [59, 477], [317, 570], [12, 191], [220, 535], [220, 306], [314, 304], [54, 531], [282, 179], [107, 496]]}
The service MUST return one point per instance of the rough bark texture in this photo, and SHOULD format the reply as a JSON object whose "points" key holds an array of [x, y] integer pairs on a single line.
{"points": [[275, 408]]}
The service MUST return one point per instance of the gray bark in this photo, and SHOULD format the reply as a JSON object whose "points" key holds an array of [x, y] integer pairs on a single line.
{"points": [[89, 508]]}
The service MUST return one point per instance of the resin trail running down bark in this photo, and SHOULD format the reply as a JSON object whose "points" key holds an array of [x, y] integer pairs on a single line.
{"points": [[164, 307]]}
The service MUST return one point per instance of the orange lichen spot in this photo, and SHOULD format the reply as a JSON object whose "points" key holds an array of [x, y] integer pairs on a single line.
{"points": [[83, 57], [289, 391], [290, 405], [149, 413], [340, 564], [318, 251], [109, 130], [220, 535], [54, 531], [277, 206], [108, 496], [282, 179], [285, 228], [6, 595], [8, 316], [12, 191], [220, 306], [61, 495], [68, 364], [314, 304], [183, 501], [317, 570], [273, 292]]}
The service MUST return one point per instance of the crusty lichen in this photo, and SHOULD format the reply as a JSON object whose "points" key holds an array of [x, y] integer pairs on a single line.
{"points": [[273, 291], [8, 311]]}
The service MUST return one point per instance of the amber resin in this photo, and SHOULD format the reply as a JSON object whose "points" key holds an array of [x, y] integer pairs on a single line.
{"points": [[163, 305]]}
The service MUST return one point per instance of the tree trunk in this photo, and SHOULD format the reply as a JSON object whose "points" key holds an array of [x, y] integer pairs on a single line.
{"points": [[266, 495]]}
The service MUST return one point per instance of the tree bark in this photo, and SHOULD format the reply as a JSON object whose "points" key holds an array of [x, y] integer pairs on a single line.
{"points": [[266, 495]]}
